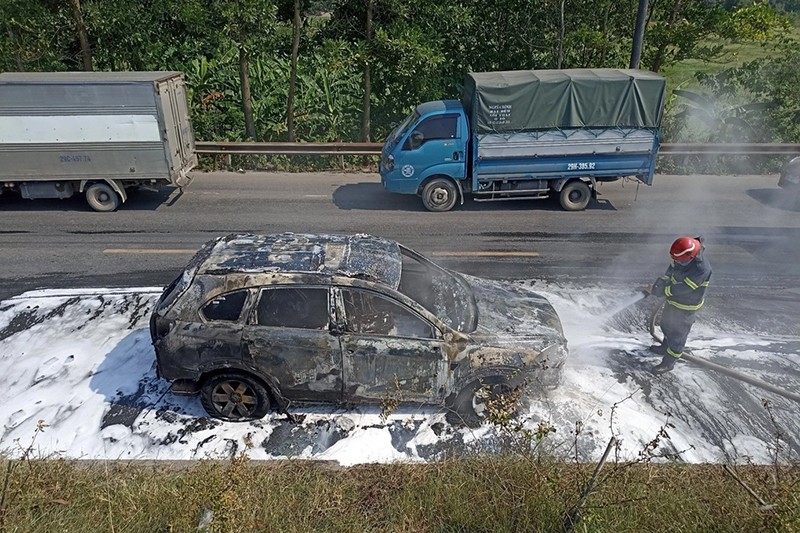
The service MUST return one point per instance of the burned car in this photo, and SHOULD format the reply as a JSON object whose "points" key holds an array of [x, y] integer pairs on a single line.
{"points": [[267, 321]]}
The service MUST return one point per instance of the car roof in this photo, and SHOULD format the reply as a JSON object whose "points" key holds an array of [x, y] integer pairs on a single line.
{"points": [[357, 256]]}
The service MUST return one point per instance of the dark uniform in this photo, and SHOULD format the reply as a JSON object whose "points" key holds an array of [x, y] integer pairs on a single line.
{"points": [[684, 287]]}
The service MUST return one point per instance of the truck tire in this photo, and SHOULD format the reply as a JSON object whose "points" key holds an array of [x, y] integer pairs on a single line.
{"points": [[575, 196], [101, 197], [439, 195]]}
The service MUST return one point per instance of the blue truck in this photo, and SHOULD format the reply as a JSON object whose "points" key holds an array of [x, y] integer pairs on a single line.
{"points": [[527, 135]]}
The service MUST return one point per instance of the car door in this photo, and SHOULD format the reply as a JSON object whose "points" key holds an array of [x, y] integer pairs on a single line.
{"points": [[288, 337], [215, 335], [388, 349]]}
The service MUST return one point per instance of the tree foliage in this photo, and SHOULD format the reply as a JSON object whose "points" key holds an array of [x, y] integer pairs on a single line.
{"points": [[417, 50]]}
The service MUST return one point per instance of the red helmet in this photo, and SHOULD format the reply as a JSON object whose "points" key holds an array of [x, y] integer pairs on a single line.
{"points": [[684, 249]]}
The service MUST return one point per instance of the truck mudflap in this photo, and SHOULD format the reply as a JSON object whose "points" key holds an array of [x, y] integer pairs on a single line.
{"points": [[182, 179]]}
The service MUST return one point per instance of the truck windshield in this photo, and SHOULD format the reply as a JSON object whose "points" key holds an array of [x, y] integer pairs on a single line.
{"points": [[405, 126], [442, 292]]}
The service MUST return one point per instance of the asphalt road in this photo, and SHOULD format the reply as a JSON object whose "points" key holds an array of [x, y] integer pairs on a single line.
{"points": [[752, 232]]}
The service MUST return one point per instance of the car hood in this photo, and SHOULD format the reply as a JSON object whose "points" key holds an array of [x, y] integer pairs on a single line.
{"points": [[510, 316]]}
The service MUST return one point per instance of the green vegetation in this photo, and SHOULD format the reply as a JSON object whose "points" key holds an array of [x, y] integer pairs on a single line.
{"points": [[349, 70], [475, 494], [522, 490]]}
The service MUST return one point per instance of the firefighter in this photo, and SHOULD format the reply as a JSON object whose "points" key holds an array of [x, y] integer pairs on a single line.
{"points": [[683, 285]]}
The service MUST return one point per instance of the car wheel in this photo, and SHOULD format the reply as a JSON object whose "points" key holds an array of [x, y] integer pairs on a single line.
{"points": [[101, 197], [439, 195], [575, 196], [472, 405], [235, 397]]}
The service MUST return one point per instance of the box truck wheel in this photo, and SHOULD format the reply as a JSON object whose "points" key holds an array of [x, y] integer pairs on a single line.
{"points": [[575, 195], [439, 195], [101, 197]]}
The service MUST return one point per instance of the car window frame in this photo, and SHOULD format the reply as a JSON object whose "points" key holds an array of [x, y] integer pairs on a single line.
{"points": [[243, 313], [341, 321], [252, 319]]}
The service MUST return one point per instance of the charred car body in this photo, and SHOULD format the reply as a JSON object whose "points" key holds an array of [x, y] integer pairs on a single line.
{"points": [[261, 321]]}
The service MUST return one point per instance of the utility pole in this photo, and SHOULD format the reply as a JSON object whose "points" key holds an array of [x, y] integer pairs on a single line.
{"points": [[638, 35]]}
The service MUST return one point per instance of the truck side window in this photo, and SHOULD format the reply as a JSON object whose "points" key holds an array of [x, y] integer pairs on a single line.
{"points": [[439, 127], [226, 307]]}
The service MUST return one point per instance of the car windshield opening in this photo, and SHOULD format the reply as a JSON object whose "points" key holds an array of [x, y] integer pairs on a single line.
{"points": [[443, 293]]}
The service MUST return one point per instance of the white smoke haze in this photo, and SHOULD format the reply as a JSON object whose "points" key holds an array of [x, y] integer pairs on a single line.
{"points": [[82, 362]]}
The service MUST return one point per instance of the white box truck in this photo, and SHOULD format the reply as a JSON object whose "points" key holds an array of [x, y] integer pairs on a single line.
{"points": [[94, 133]]}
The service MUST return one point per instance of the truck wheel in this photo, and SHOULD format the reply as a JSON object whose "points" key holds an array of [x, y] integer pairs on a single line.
{"points": [[234, 397], [101, 197], [575, 196], [439, 195]]}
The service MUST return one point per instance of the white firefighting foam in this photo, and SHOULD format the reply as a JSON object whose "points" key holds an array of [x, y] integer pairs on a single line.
{"points": [[81, 362]]}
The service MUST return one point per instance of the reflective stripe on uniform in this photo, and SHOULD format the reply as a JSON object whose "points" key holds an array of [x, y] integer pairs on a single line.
{"points": [[685, 307], [691, 283], [668, 290], [676, 355]]}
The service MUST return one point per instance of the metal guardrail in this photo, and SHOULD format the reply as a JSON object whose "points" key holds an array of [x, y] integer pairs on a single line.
{"points": [[342, 148], [286, 148], [729, 149]]}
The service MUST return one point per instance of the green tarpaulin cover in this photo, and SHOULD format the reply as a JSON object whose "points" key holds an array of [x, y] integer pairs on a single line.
{"points": [[521, 100]]}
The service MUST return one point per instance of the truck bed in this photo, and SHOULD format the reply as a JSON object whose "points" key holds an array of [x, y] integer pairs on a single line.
{"points": [[567, 153]]}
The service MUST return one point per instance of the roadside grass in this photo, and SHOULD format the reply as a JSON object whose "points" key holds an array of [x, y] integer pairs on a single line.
{"points": [[511, 493], [682, 75]]}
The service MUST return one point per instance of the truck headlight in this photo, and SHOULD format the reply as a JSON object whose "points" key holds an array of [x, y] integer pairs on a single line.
{"points": [[389, 163]]}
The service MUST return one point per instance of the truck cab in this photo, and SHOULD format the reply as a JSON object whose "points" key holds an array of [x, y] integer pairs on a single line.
{"points": [[427, 154]]}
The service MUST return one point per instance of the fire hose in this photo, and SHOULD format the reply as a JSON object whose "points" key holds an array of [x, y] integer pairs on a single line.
{"points": [[691, 358]]}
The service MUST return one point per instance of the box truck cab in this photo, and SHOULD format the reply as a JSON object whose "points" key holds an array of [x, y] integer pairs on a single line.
{"points": [[527, 135]]}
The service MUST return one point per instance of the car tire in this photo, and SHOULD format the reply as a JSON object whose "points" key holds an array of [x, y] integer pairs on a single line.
{"points": [[575, 196], [101, 197], [439, 195], [470, 405], [235, 397]]}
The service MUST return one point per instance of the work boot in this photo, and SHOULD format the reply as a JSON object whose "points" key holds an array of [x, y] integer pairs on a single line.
{"points": [[660, 349], [666, 364]]}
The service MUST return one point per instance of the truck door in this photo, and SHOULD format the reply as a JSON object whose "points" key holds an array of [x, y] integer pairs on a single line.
{"points": [[177, 127], [437, 145], [188, 156]]}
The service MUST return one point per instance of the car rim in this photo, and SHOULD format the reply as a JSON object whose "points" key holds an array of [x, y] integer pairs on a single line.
{"points": [[483, 395], [234, 399], [479, 400]]}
